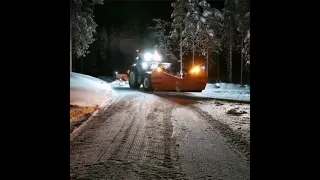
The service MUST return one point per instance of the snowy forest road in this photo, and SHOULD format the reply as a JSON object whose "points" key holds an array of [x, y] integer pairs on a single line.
{"points": [[149, 136]]}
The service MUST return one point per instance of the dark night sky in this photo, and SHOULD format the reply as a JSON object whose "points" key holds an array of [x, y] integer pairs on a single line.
{"points": [[115, 13], [122, 14]]}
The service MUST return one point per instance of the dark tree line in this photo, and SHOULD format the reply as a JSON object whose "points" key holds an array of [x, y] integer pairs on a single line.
{"points": [[198, 29], [220, 36], [95, 50], [82, 27]]}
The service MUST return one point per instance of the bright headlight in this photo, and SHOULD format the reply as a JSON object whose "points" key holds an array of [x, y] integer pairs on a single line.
{"points": [[148, 56], [144, 65], [195, 70], [157, 57]]}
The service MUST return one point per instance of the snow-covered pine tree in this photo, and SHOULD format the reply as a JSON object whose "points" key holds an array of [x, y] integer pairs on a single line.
{"points": [[178, 24], [82, 27], [160, 31], [247, 47], [217, 28], [247, 53], [192, 27], [205, 34], [242, 24], [210, 31], [229, 29]]}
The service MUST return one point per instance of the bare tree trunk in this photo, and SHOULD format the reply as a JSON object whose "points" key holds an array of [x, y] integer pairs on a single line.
{"points": [[207, 62], [218, 68], [230, 53], [230, 59], [180, 53], [241, 60], [193, 52]]}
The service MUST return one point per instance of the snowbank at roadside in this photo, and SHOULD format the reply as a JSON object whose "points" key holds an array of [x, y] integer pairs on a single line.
{"points": [[88, 91], [227, 91], [228, 86]]}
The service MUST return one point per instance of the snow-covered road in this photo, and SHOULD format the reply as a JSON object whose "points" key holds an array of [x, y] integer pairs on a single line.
{"points": [[163, 136], [223, 91]]}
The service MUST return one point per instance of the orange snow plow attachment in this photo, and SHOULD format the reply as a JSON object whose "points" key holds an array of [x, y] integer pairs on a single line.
{"points": [[123, 77], [194, 81]]}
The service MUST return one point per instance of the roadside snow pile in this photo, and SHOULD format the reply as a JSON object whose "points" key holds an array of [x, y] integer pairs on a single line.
{"points": [[228, 95], [227, 91], [229, 86], [88, 91]]}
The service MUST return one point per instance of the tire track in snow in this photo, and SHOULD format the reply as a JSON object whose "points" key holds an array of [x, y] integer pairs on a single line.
{"points": [[117, 145], [109, 141], [120, 144], [168, 130], [203, 153], [234, 139], [116, 141], [120, 150], [130, 151], [160, 154], [133, 137], [88, 145]]}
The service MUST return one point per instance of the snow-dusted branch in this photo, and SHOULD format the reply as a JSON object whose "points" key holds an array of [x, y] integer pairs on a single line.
{"points": [[83, 25]]}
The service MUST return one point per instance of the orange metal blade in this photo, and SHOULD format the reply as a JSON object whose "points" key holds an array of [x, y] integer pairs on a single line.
{"points": [[163, 81]]}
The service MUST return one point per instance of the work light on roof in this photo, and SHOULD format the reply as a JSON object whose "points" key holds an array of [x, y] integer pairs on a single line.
{"points": [[148, 57], [152, 57]]}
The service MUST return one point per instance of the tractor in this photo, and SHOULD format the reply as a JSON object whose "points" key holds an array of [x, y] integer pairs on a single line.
{"points": [[149, 70]]}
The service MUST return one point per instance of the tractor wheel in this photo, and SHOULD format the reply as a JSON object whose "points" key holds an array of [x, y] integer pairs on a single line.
{"points": [[147, 83], [134, 79]]}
